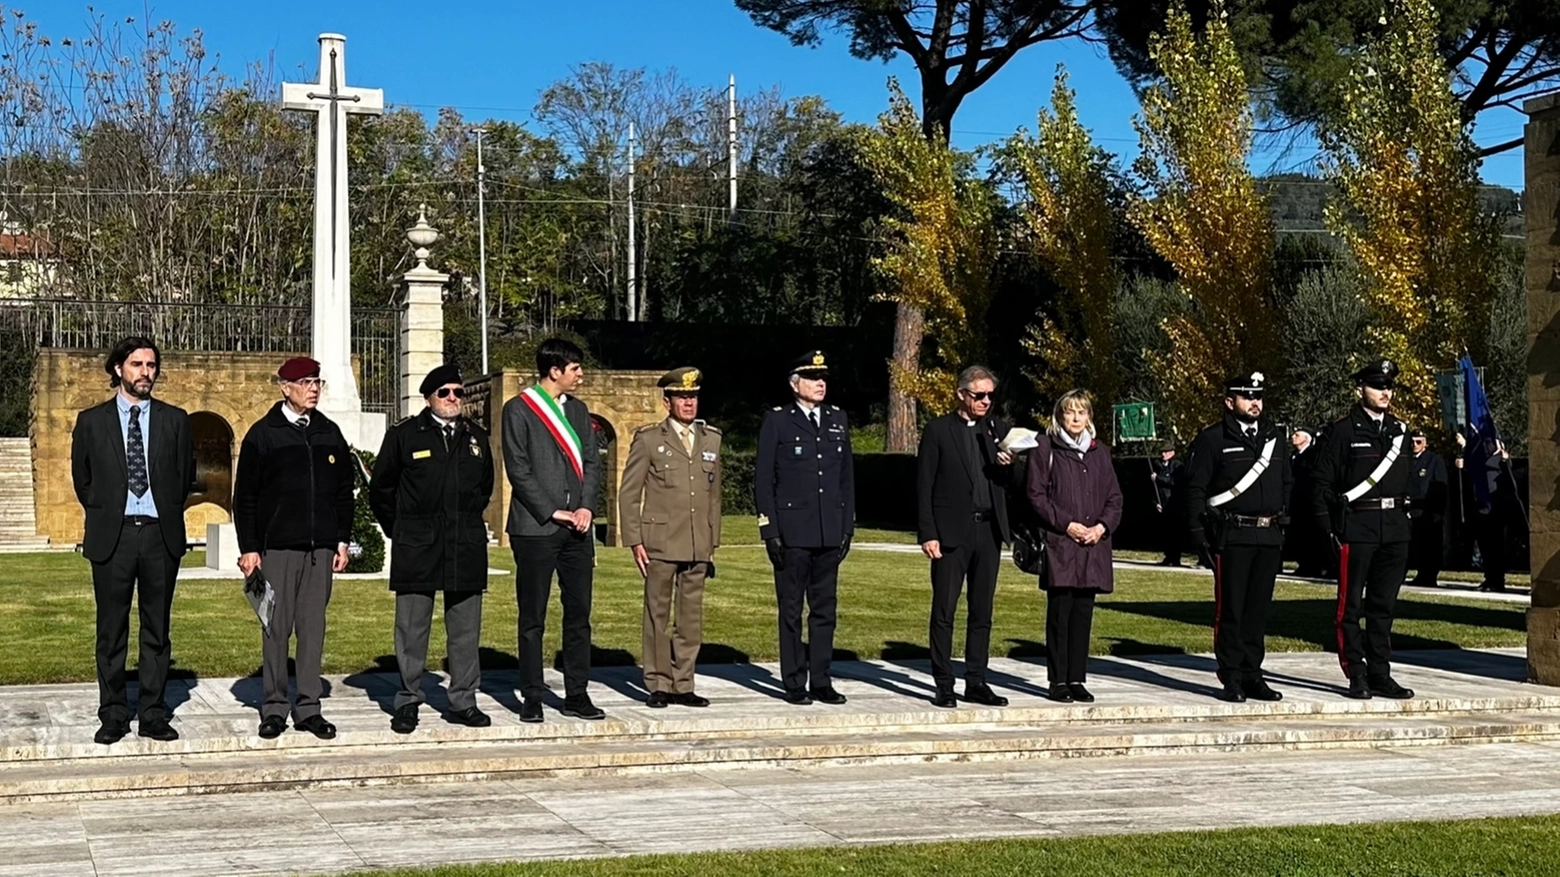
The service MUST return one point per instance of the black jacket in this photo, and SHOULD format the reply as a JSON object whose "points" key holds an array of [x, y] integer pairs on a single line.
{"points": [[99, 472], [1221, 454], [945, 480], [293, 488], [1169, 482], [431, 500], [804, 481], [1429, 486], [1352, 450]]}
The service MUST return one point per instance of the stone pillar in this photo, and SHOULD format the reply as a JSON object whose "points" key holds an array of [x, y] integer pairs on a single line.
{"points": [[1542, 211], [422, 317]]}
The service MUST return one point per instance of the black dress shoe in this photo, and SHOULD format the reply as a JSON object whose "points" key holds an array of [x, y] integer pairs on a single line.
{"points": [[827, 695], [581, 708], [272, 727], [1258, 689], [945, 699], [111, 732], [797, 696], [1060, 692], [658, 700], [471, 717], [1231, 693], [531, 710], [405, 719], [317, 726], [1080, 693], [688, 698], [1358, 690], [1493, 589], [983, 695], [157, 729], [1386, 686]]}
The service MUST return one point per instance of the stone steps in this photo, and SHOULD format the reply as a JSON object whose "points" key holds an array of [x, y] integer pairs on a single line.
{"points": [[263, 765], [18, 521], [1146, 706]]}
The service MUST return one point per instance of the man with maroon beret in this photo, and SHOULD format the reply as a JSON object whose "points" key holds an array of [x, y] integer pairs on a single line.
{"points": [[292, 508]]}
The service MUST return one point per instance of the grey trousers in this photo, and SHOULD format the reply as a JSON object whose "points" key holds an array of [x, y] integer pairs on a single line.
{"points": [[302, 581], [462, 631]]}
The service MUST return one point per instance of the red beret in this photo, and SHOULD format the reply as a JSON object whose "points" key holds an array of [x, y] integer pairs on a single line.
{"points": [[298, 368]]}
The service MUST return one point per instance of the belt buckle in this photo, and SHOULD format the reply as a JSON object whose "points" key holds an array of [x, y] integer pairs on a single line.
{"points": [[1264, 522], [1389, 502]]}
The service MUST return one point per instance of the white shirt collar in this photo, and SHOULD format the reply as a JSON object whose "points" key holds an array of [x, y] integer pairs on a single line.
{"points": [[439, 420], [1377, 416], [292, 415]]}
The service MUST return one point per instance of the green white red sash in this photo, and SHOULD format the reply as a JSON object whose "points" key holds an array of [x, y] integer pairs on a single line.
{"points": [[545, 407]]}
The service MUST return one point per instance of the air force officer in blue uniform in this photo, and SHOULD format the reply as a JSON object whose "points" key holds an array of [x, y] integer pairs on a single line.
{"points": [[805, 492]]}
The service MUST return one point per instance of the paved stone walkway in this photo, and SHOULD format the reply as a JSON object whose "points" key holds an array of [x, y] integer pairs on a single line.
{"points": [[342, 830]]}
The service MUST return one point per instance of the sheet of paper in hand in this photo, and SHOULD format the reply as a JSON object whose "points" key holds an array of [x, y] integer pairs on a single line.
{"points": [[261, 597]]}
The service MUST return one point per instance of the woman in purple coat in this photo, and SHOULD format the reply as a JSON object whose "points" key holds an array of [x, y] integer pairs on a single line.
{"points": [[1074, 491]]}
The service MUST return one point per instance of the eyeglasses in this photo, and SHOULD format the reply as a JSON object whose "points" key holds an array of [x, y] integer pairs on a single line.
{"points": [[310, 382], [978, 397], [446, 392]]}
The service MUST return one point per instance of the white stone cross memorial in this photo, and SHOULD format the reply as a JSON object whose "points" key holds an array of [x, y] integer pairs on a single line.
{"points": [[332, 100]]}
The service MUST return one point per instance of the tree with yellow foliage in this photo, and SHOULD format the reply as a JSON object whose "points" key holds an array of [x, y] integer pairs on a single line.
{"points": [[942, 246], [1070, 219], [1202, 211], [1406, 171]]}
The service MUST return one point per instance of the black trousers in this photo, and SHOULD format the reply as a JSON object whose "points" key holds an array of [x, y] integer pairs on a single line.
{"points": [[571, 555], [978, 562], [1425, 550], [140, 562], [1370, 574], [1069, 616], [1172, 529], [811, 574], [1489, 529], [1242, 592]]}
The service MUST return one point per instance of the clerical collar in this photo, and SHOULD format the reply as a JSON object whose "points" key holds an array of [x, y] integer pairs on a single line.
{"points": [[292, 415]]}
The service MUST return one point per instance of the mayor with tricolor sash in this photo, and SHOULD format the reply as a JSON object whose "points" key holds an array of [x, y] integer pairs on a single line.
{"points": [[554, 469]]}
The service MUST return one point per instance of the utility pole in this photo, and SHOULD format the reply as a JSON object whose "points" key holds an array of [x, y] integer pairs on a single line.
{"points": [[633, 285], [482, 245], [731, 141]]}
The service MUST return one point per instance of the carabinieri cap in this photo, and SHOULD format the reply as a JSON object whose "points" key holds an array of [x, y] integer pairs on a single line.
{"points": [[680, 381]]}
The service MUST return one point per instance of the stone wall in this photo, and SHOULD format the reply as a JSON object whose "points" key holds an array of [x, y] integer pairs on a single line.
{"points": [[621, 401], [235, 388], [1542, 212]]}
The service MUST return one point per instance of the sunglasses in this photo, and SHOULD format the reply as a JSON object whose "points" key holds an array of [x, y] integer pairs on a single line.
{"points": [[978, 397], [446, 392]]}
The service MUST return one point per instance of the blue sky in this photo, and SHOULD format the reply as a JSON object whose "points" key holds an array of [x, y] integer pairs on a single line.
{"points": [[490, 58]]}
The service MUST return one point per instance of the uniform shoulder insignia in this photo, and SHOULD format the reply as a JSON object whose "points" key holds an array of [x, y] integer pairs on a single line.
{"points": [[646, 427], [779, 408], [834, 407], [404, 419], [708, 428]]}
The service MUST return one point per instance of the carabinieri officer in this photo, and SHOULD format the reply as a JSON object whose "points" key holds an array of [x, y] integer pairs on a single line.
{"points": [[1362, 500], [805, 491], [1237, 494]]}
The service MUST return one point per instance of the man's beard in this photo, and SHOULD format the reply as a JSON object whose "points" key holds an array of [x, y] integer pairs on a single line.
{"points": [[1243, 417], [140, 390]]}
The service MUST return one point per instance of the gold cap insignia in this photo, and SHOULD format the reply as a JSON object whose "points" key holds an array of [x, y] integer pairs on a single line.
{"points": [[817, 359], [690, 379]]}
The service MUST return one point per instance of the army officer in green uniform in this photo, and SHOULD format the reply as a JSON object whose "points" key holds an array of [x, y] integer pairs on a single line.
{"points": [[669, 513]]}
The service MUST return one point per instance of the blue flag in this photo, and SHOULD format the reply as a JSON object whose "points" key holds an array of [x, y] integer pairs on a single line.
{"points": [[1482, 435]]}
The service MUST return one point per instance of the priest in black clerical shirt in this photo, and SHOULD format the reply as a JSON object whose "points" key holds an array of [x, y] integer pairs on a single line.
{"points": [[962, 523]]}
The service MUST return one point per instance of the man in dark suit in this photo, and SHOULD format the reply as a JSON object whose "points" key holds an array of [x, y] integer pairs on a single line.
{"points": [[804, 487], [962, 523], [133, 465], [1169, 475], [554, 467], [1429, 490]]}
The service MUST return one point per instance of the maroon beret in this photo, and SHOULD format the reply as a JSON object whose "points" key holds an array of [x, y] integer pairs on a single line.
{"points": [[298, 368]]}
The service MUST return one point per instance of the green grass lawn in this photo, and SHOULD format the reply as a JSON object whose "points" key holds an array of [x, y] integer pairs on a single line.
{"points": [[46, 617], [1507, 847]]}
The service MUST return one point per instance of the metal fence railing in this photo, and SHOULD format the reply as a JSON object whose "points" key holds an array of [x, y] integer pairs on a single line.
{"points": [[98, 325]]}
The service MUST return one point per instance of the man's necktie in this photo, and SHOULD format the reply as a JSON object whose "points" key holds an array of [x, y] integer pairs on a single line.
{"points": [[687, 441], [302, 422], [449, 436], [136, 450], [813, 416]]}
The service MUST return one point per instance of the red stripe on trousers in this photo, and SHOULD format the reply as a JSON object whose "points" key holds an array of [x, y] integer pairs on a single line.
{"points": [[1218, 607], [1343, 603]]}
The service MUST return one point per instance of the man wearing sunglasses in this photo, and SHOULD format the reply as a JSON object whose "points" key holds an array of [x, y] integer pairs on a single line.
{"points": [[432, 481], [961, 524]]}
